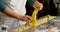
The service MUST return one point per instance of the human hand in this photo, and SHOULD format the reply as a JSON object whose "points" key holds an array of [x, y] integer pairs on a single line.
{"points": [[38, 6], [26, 18]]}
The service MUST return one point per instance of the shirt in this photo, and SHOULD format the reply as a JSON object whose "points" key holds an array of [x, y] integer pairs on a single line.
{"points": [[3, 4]]}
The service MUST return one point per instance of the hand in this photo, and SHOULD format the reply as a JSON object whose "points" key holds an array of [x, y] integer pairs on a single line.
{"points": [[26, 18], [38, 6]]}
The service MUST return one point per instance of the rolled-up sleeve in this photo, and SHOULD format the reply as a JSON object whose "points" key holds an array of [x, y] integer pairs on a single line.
{"points": [[31, 2], [2, 5]]}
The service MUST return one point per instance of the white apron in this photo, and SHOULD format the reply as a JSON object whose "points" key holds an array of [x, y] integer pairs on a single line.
{"points": [[19, 8]]}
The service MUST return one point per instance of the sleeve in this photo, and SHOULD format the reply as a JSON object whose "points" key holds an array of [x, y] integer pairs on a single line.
{"points": [[31, 2], [2, 5]]}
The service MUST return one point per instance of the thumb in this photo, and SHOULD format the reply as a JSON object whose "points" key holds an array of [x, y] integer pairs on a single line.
{"points": [[29, 17]]}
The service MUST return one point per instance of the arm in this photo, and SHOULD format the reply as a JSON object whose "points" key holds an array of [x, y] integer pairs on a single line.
{"points": [[6, 10], [11, 13]]}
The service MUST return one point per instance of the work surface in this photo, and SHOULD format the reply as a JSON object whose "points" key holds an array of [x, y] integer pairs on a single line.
{"points": [[37, 23], [41, 27]]}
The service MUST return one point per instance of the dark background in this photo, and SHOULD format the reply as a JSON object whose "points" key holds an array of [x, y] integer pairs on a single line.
{"points": [[49, 8]]}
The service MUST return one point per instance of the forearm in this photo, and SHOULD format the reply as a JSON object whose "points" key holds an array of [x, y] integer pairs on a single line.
{"points": [[8, 11], [11, 13], [31, 2]]}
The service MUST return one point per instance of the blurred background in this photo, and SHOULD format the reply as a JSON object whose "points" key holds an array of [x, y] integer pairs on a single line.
{"points": [[51, 7]]}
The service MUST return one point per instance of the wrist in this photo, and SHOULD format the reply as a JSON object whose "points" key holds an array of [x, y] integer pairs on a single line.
{"points": [[21, 18]]}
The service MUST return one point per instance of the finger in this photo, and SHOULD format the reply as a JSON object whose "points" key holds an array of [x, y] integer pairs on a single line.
{"points": [[29, 17], [41, 6], [29, 21]]}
